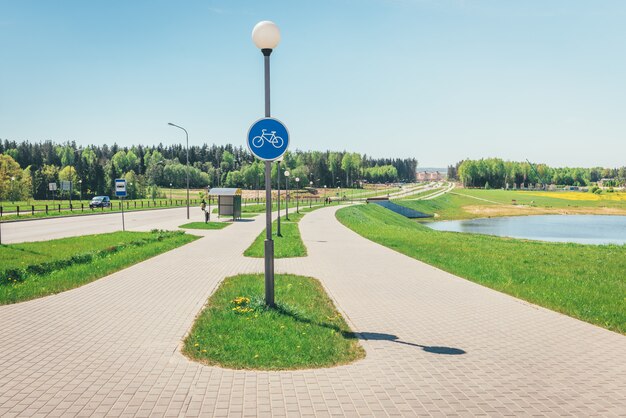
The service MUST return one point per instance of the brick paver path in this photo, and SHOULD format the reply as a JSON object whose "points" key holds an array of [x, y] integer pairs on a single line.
{"points": [[436, 344]]}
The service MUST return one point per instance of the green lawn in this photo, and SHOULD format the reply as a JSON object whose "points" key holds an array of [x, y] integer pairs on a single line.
{"points": [[305, 330], [208, 225], [288, 245], [35, 269], [583, 281]]}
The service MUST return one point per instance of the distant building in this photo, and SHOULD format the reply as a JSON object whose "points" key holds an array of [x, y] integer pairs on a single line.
{"points": [[430, 176]]}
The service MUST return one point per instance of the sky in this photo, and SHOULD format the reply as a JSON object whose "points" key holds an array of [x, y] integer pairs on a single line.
{"points": [[435, 80]]}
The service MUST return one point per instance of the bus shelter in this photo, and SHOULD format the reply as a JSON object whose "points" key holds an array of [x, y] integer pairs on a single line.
{"points": [[228, 201]]}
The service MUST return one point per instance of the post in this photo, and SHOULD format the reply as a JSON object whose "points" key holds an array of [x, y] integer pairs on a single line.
{"points": [[278, 234], [187, 135], [287, 197], [71, 187], [123, 226], [269, 243], [187, 166]]}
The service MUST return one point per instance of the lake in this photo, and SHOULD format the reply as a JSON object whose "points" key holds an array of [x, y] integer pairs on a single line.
{"points": [[582, 229]]}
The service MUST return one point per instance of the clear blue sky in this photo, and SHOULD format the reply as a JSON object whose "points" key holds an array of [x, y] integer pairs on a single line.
{"points": [[435, 80]]}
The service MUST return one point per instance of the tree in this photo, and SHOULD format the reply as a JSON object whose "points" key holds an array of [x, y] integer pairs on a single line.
{"points": [[9, 169]]}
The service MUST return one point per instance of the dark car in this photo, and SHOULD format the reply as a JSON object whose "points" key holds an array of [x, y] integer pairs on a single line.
{"points": [[100, 202]]}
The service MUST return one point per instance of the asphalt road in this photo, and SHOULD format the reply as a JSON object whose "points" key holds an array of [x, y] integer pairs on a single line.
{"points": [[51, 228]]}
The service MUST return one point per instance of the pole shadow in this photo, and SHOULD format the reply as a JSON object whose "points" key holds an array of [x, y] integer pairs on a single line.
{"points": [[376, 336]]}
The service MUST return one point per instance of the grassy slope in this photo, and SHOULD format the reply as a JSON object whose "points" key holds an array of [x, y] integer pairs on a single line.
{"points": [[305, 331], [447, 206], [583, 281], [20, 256]]}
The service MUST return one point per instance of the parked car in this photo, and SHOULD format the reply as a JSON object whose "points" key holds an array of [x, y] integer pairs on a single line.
{"points": [[100, 202]]}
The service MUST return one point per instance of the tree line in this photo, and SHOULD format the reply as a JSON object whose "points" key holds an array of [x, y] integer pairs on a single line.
{"points": [[497, 173], [27, 168]]}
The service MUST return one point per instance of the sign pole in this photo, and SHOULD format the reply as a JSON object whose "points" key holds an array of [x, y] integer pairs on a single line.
{"points": [[268, 139], [123, 226], [269, 243], [120, 191]]}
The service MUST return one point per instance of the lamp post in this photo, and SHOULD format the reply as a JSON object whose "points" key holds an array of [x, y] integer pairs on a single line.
{"points": [[311, 185], [298, 200], [278, 234], [80, 185], [131, 190], [170, 193], [266, 37], [187, 168], [12, 189], [287, 194]]}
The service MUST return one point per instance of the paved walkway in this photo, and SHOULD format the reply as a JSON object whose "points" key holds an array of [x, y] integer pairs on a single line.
{"points": [[436, 344], [61, 227]]}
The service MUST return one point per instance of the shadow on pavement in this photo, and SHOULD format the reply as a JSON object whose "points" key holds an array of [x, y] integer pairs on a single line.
{"points": [[376, 336]]}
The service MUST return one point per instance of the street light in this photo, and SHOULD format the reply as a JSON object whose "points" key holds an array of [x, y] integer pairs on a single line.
{"points": [[187, 169], [287, 194], [170, 193], [266, 37], [12, 189], [80, 184], [278, 161], [298, 197]]}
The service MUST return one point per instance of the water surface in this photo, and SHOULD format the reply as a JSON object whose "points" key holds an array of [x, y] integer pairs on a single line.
{"points": [[582, 229]]}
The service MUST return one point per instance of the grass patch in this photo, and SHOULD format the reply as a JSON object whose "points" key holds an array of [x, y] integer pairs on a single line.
{"points": [[289, 244], [203, 225], [305, 330], [583, 281], [36, 269]]}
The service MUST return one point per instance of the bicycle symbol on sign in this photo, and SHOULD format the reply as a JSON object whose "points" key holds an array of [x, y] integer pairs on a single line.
{"points": [[259, 140]]}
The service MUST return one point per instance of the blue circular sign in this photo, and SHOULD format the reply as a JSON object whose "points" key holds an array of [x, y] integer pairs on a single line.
{"points": [[268, 139]]}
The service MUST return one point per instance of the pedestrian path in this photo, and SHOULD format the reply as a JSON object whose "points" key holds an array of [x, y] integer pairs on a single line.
{"points": [[436, 344]]}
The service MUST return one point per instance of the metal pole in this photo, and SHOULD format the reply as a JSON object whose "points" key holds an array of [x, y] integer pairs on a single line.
{"points": [[286, 197], [187, 135], [187, 166], [123, 226], [269, 243], [70, 186], [297, 199], [278, 234]]}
